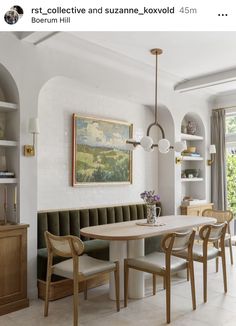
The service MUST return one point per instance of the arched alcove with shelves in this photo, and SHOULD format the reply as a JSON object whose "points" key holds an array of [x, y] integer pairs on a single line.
{"points": [[193, 165], [9, 148]]}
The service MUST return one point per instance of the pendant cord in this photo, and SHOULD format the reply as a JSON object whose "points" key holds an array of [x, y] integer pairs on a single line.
{"points": [[156, 89]]}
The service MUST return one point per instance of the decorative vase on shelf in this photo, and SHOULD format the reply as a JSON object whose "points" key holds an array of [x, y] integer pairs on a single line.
{"points": [[153, 213], [191, 127]]}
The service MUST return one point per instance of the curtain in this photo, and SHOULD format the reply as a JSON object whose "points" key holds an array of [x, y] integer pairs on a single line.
{"points": [[218, 168]]}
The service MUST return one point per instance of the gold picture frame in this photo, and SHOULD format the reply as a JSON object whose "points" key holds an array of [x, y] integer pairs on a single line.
{"points": [[99, 153]]}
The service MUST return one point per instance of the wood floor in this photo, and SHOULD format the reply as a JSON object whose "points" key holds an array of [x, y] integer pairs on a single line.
{"points": [[98, 310]]}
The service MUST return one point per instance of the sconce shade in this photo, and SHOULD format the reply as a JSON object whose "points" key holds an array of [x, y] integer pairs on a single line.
{"points": [[212, 149], [34, 126]]}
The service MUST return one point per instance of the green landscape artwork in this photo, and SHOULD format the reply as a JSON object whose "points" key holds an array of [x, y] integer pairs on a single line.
{"points": [[100, 154]]}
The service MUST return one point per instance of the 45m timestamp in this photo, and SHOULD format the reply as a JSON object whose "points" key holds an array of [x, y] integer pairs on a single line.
{"points": [[188, 10]]}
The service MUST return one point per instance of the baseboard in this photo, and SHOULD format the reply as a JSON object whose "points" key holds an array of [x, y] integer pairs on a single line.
{"points": [[64, 288], [13, 306]]}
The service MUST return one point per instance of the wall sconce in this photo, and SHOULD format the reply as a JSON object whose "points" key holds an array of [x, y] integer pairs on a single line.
{"points": [[212, 151], [29, 150], [178, 160]]}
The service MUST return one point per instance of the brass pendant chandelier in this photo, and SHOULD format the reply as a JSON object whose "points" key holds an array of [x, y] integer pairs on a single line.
{"points": [[147, 142]]}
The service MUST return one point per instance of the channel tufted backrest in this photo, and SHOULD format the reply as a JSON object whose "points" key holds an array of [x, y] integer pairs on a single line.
{"points": [[71, 221]]}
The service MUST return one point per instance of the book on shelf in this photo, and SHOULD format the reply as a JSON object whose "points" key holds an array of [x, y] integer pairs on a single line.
{"points": [[190, 154], [6, 174]]}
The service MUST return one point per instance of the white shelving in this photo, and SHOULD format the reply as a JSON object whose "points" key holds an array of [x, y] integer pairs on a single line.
{"points": [[7, 106], [192, 158], [9, 159], [190, 137], [8, 143], [191, 179], [8, 180], [193, 166]]}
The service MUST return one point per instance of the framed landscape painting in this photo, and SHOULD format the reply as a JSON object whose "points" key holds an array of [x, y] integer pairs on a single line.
{"points": [[99, 152]]}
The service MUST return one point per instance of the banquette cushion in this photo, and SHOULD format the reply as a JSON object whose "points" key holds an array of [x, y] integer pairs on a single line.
{"points": [[64, 222]]}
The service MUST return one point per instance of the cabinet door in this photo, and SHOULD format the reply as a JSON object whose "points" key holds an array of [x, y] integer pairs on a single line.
{"points": [[13, 270], [194, 211]]}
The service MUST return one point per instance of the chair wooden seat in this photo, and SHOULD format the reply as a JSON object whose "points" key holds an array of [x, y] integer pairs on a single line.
{"points": [[79, 267]]}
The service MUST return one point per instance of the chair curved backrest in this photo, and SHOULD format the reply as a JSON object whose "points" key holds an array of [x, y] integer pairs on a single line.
{"points": [[221, 216], [213, 232], [65, 246], [178, 241]]}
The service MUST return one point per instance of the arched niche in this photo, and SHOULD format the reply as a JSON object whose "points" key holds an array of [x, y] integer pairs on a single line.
{"points": [[194, 188], [193, 116], [8, 88], [166, 166], [10, 131]]}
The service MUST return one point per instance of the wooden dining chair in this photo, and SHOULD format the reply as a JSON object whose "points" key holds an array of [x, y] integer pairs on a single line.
{"points": [[79, 267], [212, 233], [222, 216], [164, 264]]}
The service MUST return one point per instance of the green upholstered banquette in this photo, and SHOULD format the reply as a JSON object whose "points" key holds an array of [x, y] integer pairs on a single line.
{"points": [[64, 222]]}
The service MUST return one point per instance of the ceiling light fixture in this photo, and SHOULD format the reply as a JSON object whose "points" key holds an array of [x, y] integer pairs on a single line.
{"points": [[147, 142]]}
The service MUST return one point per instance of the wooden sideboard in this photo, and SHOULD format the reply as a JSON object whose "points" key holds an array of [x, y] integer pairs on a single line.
{"points": [[13, 268], [195, 209]]}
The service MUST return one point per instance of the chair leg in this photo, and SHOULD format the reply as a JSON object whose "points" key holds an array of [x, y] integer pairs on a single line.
{"points": [[231, 251], [217, 258], [117, 282], [168, 298], [75, 301], [85, 290], [48, 282], [187, 273], [126, 282], [154, 284], [164, 282], [205, 281], [224, 270], [192, 280]]}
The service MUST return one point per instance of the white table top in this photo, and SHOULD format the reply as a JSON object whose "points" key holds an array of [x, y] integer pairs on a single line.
{"points": [[131, 231]]}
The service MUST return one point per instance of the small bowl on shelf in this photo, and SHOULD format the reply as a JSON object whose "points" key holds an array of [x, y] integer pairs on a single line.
{"points": [[191, 149], [192, 172]]}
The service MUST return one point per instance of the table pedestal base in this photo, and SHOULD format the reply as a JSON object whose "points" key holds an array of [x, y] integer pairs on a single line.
{"points": [[119, 250]]}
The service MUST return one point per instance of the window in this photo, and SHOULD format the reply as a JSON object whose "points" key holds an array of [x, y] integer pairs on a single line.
{"points": [[230, 138]]}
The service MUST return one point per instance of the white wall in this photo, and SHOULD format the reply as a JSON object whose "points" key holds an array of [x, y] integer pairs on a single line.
{"points": [[59, 99]]}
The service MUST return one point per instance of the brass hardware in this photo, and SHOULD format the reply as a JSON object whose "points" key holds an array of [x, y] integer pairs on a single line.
{"points": [[29, 150], [210, 162], [156, 51], [178, 160]]}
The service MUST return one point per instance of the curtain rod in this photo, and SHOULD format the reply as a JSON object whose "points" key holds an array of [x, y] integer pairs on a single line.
{"points": [[225, 108]]}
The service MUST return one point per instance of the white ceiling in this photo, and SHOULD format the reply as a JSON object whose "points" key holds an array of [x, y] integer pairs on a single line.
{"points": [[187, 55]]}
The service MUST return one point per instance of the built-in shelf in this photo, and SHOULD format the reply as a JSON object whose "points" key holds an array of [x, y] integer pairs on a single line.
{"points": [[192, 158], [191, 179], [190, 137], [7, 106], [8, 142], [8, 180]]}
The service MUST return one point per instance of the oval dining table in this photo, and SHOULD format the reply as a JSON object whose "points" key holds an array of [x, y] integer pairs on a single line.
{"points": [[126, 240]]}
